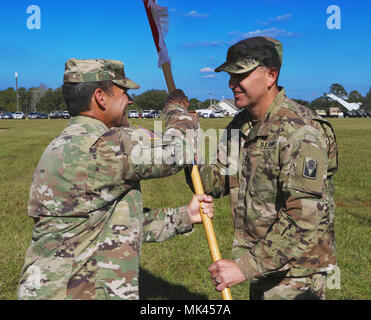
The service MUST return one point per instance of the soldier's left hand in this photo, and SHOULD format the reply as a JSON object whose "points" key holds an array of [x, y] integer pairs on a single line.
{"points": [[207, 205], [225, 273], [177, 97]]}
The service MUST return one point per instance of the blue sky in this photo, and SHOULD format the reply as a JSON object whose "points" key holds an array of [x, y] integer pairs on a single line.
{"points": [[200, 32]]}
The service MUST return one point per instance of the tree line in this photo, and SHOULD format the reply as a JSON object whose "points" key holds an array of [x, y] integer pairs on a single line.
{"points": [[44, 99], [325, 103], [41, 98]]}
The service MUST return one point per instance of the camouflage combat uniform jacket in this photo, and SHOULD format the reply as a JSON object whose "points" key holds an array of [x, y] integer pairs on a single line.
{"points": [[86, 201], [282, 194]]}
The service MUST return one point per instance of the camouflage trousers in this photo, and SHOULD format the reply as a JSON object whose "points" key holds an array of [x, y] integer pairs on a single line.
{"points": [[278, 287]]}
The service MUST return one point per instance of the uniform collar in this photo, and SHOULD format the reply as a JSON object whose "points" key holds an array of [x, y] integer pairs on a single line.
{"points": [[87, 120]]}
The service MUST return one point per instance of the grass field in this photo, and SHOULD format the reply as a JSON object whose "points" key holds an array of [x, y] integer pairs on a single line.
{"points": [[177, 268]]}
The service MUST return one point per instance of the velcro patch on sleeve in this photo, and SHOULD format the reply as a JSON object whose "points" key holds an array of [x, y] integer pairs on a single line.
{"points": [[310, 169]]}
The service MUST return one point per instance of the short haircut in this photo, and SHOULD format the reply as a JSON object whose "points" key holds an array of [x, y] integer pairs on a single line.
{"points": [[78, 95], [278, 71]]}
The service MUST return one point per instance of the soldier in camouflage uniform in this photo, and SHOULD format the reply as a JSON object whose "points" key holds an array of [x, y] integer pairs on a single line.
{"points": [[282, 190], [85, 195]]}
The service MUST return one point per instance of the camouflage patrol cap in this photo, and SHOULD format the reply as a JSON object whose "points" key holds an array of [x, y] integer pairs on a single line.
{"points": [[92, 70], [247, 54]]}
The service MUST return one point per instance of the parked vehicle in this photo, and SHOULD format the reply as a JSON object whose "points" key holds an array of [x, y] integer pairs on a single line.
{"points": [[44, 116], [154, 114], [133, 114], [55, 115], [34, 115], [145, 113], [350, 114], [334, 112], [7, 115], [19, 115], [321, 113], [204, 113], [362, 114], [65, 115], [217, 114]]}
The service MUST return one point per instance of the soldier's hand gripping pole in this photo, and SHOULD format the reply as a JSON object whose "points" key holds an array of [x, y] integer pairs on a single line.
{"points": [[208, 226]]}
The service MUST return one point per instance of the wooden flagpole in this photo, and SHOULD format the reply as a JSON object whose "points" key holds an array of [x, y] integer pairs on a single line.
{"points": [[195, 175]]}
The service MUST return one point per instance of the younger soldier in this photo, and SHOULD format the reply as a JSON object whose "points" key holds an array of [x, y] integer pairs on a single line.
{"points": [[282, 192], [85, 194]]}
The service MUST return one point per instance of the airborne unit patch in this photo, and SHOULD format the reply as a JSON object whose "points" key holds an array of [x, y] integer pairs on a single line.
{"points": [[310, 168]]}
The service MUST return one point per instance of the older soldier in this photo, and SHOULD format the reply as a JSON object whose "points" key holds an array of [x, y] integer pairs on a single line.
{"points": [[282, 192], [85, 195]]}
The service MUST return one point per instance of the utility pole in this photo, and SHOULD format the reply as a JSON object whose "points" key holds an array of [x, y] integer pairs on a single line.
{"points": [[16, 87]]}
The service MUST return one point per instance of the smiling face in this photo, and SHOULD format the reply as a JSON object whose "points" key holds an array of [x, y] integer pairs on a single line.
{"points": [[116, 103], [251, 87]]}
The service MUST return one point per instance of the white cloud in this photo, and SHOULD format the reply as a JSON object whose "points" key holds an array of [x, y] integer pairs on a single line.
{"points": [[192, 14], [281, 18], [202, 44], [271, 32], [209, 76], [195, 14], [206, 69], [238, 36]]}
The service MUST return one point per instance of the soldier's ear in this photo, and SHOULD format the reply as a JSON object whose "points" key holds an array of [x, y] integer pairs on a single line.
{"points": [[100, 98], [272, 76]]}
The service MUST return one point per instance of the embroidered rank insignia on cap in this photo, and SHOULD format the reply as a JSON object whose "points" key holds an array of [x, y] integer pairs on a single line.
{"points": [[310, 168]]}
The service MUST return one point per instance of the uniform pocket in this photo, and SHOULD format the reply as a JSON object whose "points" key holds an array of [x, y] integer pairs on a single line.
{"points": [[261, 216], [264, 174]]}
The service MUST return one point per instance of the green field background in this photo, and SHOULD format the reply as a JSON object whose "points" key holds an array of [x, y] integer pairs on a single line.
{"points": [[177, 268]]}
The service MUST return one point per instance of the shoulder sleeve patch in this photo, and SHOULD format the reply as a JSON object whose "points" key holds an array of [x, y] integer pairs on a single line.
{"points": [[309, 170]]}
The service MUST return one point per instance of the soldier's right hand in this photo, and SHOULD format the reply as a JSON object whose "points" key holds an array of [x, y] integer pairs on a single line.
{"points": [[177, 97], [200, 201]]}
